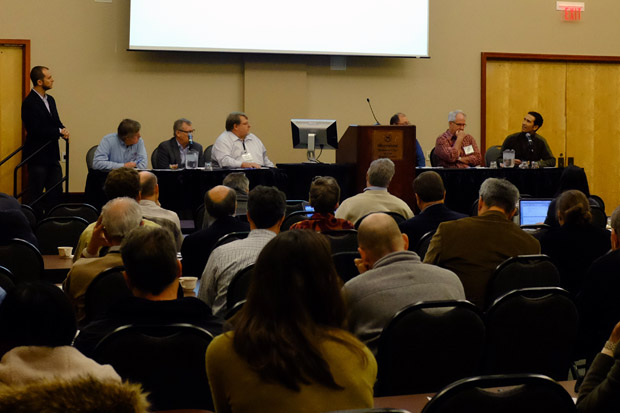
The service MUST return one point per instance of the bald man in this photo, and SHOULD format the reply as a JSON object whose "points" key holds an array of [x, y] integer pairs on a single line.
{"points": [[220, 203], [390, 279]]}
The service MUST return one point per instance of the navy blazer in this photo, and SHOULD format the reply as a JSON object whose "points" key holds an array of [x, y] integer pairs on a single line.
{"points": [[41, 127], [168, 154], [427, 220]]}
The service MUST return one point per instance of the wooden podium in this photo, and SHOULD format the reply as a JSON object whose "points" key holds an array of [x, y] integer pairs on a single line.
{"points": [[360, 145]]}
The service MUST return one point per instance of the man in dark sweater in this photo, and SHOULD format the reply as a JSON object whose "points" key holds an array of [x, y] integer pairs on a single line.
{"points": [[528, 145]]}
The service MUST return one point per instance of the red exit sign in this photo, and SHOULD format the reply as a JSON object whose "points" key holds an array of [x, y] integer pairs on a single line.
{"points": [[572, 14], [571, 10]]}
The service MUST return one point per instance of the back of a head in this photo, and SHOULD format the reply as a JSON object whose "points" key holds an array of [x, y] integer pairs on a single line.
{"points": [[429, 186], [615, 220], [499, 193], [237, 181], [573, 177], [122, 182], [120, 216], [379, 235], [266, 206], [380, 172], [36, 314], [573, 207], [395, 118], [220, 201], [149, 257], [324, 194], [148, 183]]}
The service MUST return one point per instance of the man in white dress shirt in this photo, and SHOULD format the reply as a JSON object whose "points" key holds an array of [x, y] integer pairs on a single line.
{"points": [[237, 147]]}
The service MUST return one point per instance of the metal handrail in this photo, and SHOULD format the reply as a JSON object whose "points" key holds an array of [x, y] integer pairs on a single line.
{"points": [[11, 155]]}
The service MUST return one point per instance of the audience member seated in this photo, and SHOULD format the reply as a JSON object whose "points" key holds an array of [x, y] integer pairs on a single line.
{"points": [[599, 300], [151, 208], [576, 243], [121, 182], [573, 177], [152, 273], [324, 198], [473, 247], [220, 202], [455, 148], [118, 218], [241, 184], [288, 350], [172, 152], [124, 148], [600, 390], [13, 222], [390, 279], [400, 119], [266, 206], [429, 196], [375, 197], [38, 326]]}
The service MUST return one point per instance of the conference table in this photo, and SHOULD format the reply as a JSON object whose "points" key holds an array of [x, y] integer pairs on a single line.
{"points": [[183, 190]]}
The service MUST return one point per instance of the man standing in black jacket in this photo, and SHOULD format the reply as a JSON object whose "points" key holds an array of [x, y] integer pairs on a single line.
{"points": [[42, 123]]}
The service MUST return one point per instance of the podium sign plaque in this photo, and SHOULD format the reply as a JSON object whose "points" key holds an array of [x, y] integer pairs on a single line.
{"points": [[387, 144]]}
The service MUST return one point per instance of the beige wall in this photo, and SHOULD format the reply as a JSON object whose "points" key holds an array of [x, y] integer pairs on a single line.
{"points": [[98, 82]]}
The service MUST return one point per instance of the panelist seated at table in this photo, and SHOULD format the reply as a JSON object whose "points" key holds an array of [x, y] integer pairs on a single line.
{"points": [[237, 147], [123, 148], [455, 148], [400, 119], [172, 153], [529, 145]]}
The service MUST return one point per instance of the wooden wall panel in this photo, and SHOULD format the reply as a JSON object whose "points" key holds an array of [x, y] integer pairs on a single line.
{"points": [[11, 74]]}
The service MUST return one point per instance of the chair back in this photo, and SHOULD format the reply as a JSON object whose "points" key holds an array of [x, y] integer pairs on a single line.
{"points": [[428, 345], [7, 279], [342, 240], [598, 200], [233, 236], [90, 156], [292, 218], [487, 394], [154, 157], [294, 205], [531, 330], [104, 291], [492, 153], [599, 219], [22, 259], [397, 217], [86, 211], [239, 286], [168, 360], [345, 264], [207, 154], [30, 214], [434, 158], [234, 310], [57, 232], [522, 271], [199, 217], [422, 246]]}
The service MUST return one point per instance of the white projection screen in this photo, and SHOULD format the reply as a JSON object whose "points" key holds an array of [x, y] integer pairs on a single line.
{"points": [[396, 28]]}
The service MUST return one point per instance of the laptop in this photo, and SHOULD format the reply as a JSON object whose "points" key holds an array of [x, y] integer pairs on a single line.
{"points": [[533, 210]]}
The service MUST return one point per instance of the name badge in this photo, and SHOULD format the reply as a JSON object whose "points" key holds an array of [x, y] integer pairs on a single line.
{"points": [[247, 157], [469, 149]]}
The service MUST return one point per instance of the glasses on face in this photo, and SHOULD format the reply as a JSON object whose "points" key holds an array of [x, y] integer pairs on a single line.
{"points": [[187, 131], [460, 125]]}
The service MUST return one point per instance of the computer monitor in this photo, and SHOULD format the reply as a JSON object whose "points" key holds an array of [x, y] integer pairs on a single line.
{"points": [[314, 133], [533, 210]]}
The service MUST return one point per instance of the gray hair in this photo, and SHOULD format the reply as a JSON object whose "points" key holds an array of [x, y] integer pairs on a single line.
{"points": [[615, 220], [380, 172], [179, 123], [452, 115], [499, 193], [119, 216], [237, 181]]}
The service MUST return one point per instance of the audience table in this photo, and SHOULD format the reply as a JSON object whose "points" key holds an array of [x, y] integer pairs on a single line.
{"points": [[56, 268]]}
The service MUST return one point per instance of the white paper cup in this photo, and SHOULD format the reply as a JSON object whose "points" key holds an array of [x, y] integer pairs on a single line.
{"points": [[65, 252], [188, 283]]}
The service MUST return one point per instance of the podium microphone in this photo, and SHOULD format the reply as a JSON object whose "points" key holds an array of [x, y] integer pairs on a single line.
{"points": [[529, 138], [372, 111]]}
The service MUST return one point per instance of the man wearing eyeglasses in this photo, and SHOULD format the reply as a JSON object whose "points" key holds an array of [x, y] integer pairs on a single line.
{"points": [[455, 148], [171, 154]]}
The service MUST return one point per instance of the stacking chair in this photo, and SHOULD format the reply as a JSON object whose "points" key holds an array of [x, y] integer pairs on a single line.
{"points": [[7, 279], [234, 310], [293, 218], [199, 217], [342, 240], [239, 286], [54, 232], [294, 205], [345, 264], [434, 158], [90, 156], [104, 291], [599, 201], [492, 153], [531, 330], [30, 214], [233, 236], [533, 394], [599, 218], [23, 260], [428, 345], [422, 246], [168, 360], [522, 271], [207, 154], [86, 211], [154, 157]]}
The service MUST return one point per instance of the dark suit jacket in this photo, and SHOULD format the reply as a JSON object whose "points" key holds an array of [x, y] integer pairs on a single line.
{"points": [[13, 222], [168, 154], [41, 127], [473, 247], [427, 220], [197, 246]]}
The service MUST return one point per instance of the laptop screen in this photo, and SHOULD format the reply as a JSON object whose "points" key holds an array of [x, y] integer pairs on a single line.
{"points": [[533, 210]]}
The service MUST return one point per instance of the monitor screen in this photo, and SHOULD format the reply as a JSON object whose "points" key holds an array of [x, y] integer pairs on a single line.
{"points": [[533, 210], [314, 133], [396, 28]]}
